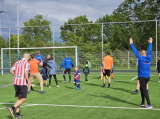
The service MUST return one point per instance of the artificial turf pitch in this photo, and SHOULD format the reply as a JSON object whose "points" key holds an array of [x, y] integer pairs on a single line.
{"points": [[92, 101]]}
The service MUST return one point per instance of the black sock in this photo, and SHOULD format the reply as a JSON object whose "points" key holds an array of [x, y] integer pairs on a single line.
{"points": [[69, 77], [13, 108], [17, 113], [31, 88]]}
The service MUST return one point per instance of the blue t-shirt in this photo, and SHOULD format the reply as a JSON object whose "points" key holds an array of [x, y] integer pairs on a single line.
{"points": [[67, 62], [144, 62], [39, 57]]}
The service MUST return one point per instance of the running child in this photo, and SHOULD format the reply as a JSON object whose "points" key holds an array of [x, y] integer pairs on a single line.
{"points": [[86, 72], [77, 78]]}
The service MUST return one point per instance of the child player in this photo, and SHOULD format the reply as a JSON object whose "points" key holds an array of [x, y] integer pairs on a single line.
{"points": [[112, 73], [77, 78], [86, 72], [44, 75], [39, 56], [101, 74]]}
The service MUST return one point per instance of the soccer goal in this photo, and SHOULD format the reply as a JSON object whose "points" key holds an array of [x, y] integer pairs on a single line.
{"points": [[9, 55]]}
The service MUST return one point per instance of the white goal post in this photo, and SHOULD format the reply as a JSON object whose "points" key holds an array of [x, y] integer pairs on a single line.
{"points": [[38, 48]]}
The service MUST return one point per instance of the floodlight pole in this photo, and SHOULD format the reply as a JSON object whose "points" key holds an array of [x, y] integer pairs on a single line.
{"points": [[9, 47], [102, 41], [0, 22], [17, 29], [53, 45]]}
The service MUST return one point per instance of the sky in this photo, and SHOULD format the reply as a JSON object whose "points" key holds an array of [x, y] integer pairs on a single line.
{"points": [[56, 11]]}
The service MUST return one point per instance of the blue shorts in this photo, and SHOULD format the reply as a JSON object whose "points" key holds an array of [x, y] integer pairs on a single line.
{"points": [[44, 77], [76, 81]]}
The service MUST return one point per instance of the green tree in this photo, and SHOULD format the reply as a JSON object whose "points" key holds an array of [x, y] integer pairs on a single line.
{"points": [[37, 36], [3, 43], [81, 35]]}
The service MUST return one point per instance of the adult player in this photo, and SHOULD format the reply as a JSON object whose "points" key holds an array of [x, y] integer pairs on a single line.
{"points": [[34, 72], [144, 62], [138, 85], [67, 62], [20, 72], [158, 67], [108, 64]]}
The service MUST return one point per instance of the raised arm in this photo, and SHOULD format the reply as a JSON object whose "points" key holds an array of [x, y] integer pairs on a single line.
{"points": [[149, 52], [135, 51]]}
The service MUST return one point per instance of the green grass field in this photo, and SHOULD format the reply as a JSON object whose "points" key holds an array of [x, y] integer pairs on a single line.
{"points": [[92, 101]]}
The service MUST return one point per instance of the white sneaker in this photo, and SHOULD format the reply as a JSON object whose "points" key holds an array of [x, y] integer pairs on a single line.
{"points": [[159, 81], [57, 86], [49, 86]]}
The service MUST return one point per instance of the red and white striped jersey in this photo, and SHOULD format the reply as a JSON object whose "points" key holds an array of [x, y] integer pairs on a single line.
{"points": [[19, 67]]}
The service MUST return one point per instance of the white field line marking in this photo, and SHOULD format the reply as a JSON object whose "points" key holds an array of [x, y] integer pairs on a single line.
{"points": [[3, 86], [80, 106], [134, 78]]}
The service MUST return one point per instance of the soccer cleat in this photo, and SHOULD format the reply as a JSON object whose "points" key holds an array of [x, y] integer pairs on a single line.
{"points": [[103, 86], [28, 92], [42, 92], [100, 79], [32, 89], [134, 92], [49, 86], [57, 86], [159, 81], [76, 88], [86, 81], [148, 106], [79, 88], [11, 111], [142, 104], [64, 82], [18, 116]]}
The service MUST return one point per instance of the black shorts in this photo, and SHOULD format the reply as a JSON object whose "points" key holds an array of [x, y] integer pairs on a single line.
{"points": [[138, 78], [158, 71], [21, 91], [107, 72], [67, 70]]}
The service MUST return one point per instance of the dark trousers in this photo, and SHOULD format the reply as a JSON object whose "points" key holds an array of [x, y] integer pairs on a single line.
{"points": [[144, 93], [86, 75], [55, 78]]}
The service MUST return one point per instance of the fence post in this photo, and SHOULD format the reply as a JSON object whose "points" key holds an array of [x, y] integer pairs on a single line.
{"points": [[9, 47], [128, 61], [102, 41], [156, 43], [53, 46]]}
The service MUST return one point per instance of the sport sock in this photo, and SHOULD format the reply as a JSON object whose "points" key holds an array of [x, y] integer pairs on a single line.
{"points": [[101, 77], [69, 77], [75, 84], [104, 84], [108, 84], [136, 90], [64, 77], [18, 114], [78, 85], [147, 90]]}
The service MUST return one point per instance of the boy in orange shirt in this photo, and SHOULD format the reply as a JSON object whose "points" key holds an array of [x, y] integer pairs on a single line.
{"points": [[108, 64]]}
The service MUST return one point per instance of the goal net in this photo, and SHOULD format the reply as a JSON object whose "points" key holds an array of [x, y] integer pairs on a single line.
{"points": [[10, 55]]}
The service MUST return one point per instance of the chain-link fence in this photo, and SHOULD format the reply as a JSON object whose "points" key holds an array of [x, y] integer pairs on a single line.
{"points": [[93, 40]]}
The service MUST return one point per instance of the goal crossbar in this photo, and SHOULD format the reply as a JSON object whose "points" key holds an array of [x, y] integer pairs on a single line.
{"points": [[37, 48]]}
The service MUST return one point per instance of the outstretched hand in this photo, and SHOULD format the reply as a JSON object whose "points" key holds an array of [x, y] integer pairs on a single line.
{"points": [[130, 40], [150, 40]]}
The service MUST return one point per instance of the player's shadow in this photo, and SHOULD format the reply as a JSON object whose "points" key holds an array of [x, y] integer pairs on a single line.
{"points": [[92, 84], [128, 82], [122, 89], [69, 87], [114, 99], [10, 105]]}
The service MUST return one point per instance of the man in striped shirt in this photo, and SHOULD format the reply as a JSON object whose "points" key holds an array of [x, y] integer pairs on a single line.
{"points": [[20, 72]]}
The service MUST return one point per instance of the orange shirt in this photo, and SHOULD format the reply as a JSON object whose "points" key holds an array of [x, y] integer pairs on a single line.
{"points": [[108, 61], [34, 66]]}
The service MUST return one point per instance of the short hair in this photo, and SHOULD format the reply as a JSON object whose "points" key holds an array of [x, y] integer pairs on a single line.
{"points": [[76, 66], [38, 52], [66, 55], [108, 52], [51, 58], [32, 56], [26, 54], [143, 52], [139, 49], [86, 62]]}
